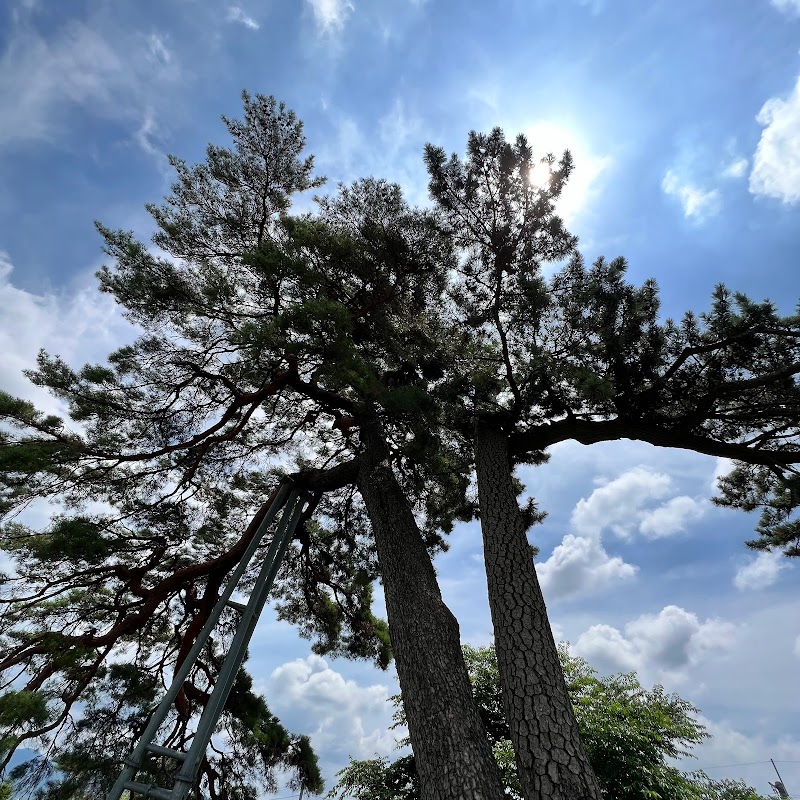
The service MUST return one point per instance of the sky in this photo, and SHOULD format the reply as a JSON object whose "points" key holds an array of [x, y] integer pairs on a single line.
{"points": [[684, 122]]}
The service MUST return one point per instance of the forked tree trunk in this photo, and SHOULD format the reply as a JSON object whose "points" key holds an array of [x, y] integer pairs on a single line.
{"points": [[453, 757], [551, 760]]}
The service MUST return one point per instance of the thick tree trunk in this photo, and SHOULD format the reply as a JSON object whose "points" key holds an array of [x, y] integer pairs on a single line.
{"points": [[551, 760], [454, 760]]}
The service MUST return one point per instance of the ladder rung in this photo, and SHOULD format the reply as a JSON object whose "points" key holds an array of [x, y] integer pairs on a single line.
{"points": [[158, 750], [240, 607], [148, 790]]}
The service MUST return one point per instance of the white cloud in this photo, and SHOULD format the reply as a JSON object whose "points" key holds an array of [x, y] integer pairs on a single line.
{"points": [[698, 204], [736, 168], [79, 324], [761, 572], [621, 505], [666, 642], [789, 6], [237, 14], [391, 148], [776, 163], [608, 650], [580, 563], [723, 467], [617, 504], [728, 744], [400, 126], [144, 137], [670, 518], [344, 717], [330, 15]]}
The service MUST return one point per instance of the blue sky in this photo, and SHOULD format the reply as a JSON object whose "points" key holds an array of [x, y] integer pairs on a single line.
{"points": [[684, 120]]}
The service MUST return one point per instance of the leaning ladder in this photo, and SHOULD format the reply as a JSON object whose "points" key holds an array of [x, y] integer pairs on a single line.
{"points": [[190, 760]]}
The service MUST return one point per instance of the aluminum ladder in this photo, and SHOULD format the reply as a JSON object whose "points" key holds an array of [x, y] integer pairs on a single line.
{"points": [[189, 761]]}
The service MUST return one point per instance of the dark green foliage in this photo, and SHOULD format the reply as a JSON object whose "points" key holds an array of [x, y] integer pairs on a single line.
{"points": [[326, 586], [751, 487]]}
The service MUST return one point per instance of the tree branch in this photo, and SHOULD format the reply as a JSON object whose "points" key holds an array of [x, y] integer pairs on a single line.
{"points": [[593, 431]]}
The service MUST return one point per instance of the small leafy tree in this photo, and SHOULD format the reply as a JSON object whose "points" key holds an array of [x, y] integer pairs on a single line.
{"points": [[630, 734]]}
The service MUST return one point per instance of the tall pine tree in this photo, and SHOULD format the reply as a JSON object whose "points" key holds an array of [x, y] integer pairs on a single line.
{"points": [[583, 355], [266, 340]]}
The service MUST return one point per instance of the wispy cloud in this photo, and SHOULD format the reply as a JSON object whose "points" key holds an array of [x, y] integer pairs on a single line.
{"points": [[788, 6], [42, 79], [776, 163], [330, 15], [737, 168], [698, 204], [159, 51], [237, 14]]}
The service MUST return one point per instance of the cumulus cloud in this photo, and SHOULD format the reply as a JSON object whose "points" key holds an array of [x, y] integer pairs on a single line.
{"points": [[621, 505], [79, 324], [330, 15], [237, 14], [698, 204], [616, 504], [776, 163], [344, 718], [633, 502], [666, 642], [607, 649], [670, 518], [580, 563], [761, 572]]}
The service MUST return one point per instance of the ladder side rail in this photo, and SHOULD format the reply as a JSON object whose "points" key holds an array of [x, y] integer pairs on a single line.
{"points": [[133, 762], [187, 774]]}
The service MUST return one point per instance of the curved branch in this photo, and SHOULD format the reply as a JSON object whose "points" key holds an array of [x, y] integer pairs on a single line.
{"points": [[593, 431]]}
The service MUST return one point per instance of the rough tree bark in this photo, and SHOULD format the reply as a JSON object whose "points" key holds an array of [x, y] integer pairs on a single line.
{"points": [[454, 760], [551, 760]]}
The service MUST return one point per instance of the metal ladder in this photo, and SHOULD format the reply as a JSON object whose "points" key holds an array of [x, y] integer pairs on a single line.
{"points": [[190, 761]]}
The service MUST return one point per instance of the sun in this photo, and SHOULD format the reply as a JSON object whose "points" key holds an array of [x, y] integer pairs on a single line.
{"points": [[553, 138]]}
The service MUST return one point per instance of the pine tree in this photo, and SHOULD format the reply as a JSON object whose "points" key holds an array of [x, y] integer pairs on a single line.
{"points": [[269, 342], [582, 355]]}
